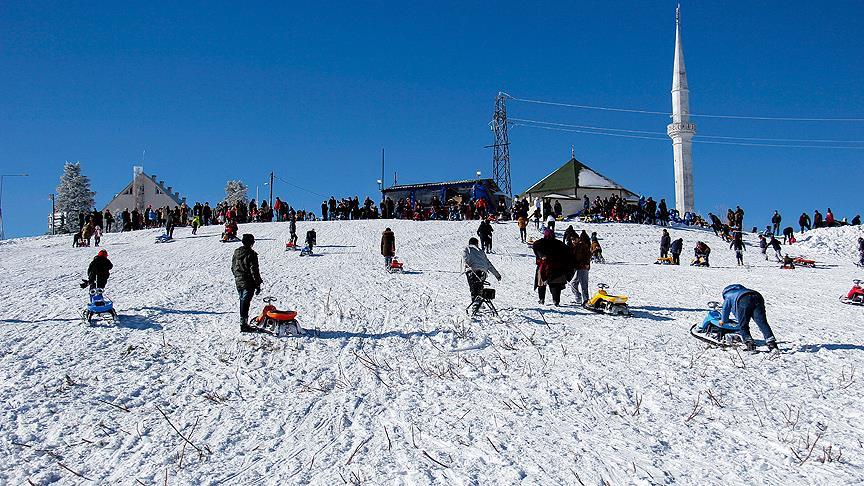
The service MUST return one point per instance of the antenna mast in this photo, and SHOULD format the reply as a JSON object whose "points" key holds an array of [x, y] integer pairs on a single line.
{"points": [[501, 147]]}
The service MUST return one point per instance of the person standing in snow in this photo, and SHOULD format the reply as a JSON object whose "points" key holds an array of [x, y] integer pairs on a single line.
{"points": [[169, 224], [536, 215], [98, 271], [788, 235], [775, 245], [485, 233], [550, 222], [311, 239], [665, 243], [775, 222], [701, 252], [763, 246], [738, 245], [861, 251], [388, 246], [580, 254], [476, 266], [522, 223], [553, 266], [748, 304], [675, 249], [292, 228], [244, 266], [804, 222]]}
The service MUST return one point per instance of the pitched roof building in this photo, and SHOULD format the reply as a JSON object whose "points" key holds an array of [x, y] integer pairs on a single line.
{"points": [[143, 191], [571, 182]]}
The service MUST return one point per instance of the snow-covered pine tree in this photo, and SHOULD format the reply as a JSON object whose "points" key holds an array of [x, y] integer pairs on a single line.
{"points": [[73, 195], [236, 191]]}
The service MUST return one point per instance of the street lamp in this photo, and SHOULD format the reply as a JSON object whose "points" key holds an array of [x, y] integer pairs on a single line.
{"points": [[3, 176], [478, 174]]}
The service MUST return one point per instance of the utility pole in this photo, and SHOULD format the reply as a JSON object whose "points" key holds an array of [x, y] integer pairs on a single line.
{"points": [[53, 217], [3, 176], [271, 189], [501, 147]]}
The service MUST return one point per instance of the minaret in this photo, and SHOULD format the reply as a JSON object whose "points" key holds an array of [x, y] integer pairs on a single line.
{"points": [[681, 130]]}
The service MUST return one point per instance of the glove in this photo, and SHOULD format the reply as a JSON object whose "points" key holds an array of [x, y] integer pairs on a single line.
{"points": [[84, 283], [258, 291]]}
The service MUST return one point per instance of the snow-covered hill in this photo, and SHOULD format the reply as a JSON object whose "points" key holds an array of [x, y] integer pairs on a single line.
{"points": [[401, 388]]}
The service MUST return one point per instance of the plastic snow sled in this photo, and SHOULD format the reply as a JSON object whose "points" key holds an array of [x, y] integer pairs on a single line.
{"points": [[279, 323], [395, 266], [803, 262], [712, 332], [700, 262], [163, 239], [99, 306], [664, 261], [306, 251], [290, 246], [855, 295], [606, 303]]}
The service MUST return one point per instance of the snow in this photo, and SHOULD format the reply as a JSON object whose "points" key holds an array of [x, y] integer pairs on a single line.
{"points": [[399, 387]]}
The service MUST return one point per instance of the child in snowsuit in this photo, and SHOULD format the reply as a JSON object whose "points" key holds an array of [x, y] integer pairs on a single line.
{"points": [[97, 235], [738, 245], [388, 247], [665, 243], [763, 246], [292, 228], [701, 252], [775, 245], [747, 304], [675, 249], [98, 271], [596, 249], [522, 223], [311, 239]]}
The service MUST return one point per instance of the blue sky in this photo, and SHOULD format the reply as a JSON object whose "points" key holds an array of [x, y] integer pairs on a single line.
{"points": [[217, 90]]}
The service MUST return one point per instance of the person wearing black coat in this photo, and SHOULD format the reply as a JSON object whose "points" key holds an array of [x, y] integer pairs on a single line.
{"points": [[554, 266], [388, 246], [775, 222], [775, 245], [98, 271], [665, 243], [738, 245], [675, 249], [861, 251], [485, 233], [247, 278]]}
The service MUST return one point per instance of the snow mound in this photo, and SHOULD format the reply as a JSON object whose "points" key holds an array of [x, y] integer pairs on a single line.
{"points": [[398, 386], [840, 241]]}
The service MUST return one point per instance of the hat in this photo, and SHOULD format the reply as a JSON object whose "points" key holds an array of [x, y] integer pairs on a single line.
{"points": [[548, 233], [248, 239], [102, 253]]}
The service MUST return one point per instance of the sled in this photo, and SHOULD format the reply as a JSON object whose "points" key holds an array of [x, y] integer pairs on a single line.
{"points": [[99, 306], [229, 239], [306, 251], [606, 303], [290, 246], [712, 332], [279, 323], [396, 266], [164, 239], [699, 262], [855, 296], [664, 261], [803, 262]]}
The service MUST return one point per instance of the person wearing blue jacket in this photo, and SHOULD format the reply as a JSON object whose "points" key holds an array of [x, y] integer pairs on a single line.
{"points": [[748, 304]]}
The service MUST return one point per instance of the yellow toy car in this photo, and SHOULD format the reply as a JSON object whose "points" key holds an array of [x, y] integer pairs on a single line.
{"points": [[606, 303]]}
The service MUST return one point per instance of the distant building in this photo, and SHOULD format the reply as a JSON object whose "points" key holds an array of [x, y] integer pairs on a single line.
{"points": [[464, 190], [571, 182], [144, 191]]}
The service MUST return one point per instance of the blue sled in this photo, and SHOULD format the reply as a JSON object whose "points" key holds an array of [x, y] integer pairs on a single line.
{"points": [[712, 332], [99, 306]]}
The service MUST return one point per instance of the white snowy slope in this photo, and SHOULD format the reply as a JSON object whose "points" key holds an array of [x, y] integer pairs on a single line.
{"points": [[401, 388]]}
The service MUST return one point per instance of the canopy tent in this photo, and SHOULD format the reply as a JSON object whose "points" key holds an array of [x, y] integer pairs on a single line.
{"points": [[571, 182]]}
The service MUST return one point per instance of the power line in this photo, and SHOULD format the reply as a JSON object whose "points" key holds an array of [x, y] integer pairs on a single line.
{"points": [[587, 127], [299, 187], [649, 112], [694, 141]]}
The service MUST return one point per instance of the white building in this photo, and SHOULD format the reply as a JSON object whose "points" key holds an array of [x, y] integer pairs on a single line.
{"points": [[144, 191], [681, 130]]}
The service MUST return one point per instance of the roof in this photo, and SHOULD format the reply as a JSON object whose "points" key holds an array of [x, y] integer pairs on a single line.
{"points": [[151, 179], [431, 185], [575, 174]]}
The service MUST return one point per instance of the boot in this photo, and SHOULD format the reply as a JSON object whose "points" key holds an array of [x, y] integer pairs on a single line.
{"points": [[750, 346], [772, 347]]}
